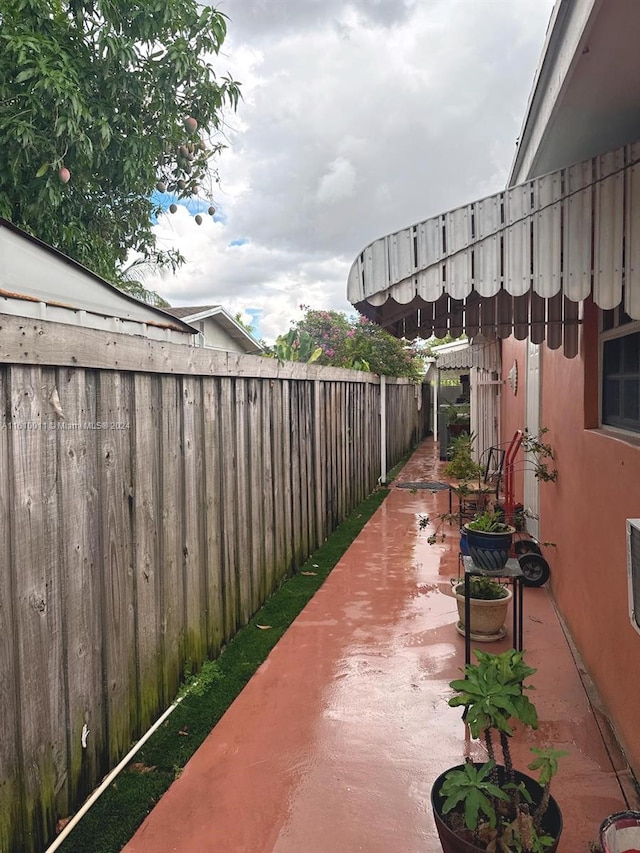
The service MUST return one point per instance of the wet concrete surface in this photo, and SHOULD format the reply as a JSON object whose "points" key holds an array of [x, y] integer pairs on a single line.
{"points": [[333, 745]]}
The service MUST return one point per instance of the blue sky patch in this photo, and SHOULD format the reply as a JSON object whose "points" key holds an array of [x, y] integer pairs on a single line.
{"points": [[193, 205]]}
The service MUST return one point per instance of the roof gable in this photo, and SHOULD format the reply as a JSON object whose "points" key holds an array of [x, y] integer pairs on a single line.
{"points": [[34, 272], [195, 313]]}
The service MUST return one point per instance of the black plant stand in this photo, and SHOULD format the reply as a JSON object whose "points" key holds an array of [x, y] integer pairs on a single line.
{"points": [[511, 572]]}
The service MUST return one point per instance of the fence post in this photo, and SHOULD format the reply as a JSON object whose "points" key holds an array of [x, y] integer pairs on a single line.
{"points": [[383, 430]]}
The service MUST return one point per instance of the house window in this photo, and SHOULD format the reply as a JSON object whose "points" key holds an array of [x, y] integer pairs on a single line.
{"points": [[620, 347]]}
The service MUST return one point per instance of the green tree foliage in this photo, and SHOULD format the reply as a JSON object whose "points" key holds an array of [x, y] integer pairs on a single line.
{"points": [[100, 101], [246, 326], [295, 345], [436, 342], [358, 344]]}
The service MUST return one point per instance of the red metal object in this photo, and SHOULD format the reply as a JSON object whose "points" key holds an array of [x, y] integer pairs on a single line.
{"points": [[620, 833], [508, 477]]}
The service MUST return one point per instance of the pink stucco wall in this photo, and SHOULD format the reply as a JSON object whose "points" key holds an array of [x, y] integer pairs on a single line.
{"points": [[513, 405], [584, 513]]}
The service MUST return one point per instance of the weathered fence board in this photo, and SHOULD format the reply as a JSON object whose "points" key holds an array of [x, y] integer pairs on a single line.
{"points": [[267, 476], [306, 540], [146, 542], [29, 341], [37, 603], [145, 515], [11, 801], [279, 476], [116, 504], [241, 499], [318, 468], [294, 474], [213, 526], [80, 569], [255, 494], [192, 523], [285, 419], [171, 499]]}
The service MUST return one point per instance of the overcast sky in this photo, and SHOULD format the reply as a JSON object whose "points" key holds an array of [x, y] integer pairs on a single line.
{"points": [[358, 118]]}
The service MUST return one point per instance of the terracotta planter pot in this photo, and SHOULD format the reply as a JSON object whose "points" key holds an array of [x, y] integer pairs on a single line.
{"points": [[452, 843], [488, 616]]}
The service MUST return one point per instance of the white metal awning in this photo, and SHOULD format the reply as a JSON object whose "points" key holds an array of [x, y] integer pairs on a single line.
{"points": [[518, 262], [464, 355]]}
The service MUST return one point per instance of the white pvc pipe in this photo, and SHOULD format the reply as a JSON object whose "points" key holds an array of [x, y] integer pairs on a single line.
{"points": [[112, 775], [383, 430]]}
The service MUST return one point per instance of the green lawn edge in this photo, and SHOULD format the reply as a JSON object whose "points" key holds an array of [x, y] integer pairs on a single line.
{"points": [[116, 815]]}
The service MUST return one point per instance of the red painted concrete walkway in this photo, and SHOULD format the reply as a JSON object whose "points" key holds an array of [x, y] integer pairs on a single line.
{"points": [[333, 745]]}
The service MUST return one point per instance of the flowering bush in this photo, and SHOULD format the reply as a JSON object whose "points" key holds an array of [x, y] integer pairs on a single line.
{"points": [[359, 344]]}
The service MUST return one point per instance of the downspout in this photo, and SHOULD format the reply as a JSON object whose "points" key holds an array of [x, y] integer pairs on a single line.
{"points": [[436, 403], [383, 431], [477, 421]]}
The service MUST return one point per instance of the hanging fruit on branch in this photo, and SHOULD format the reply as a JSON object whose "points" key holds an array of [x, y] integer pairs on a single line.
{"points": [[173, 208], [198, 219], [161, 187], [211, 210], [64, 175], [190, 124]]}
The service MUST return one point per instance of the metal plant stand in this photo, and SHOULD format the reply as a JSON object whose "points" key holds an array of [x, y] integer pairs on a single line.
{"points": [[513, 574]]}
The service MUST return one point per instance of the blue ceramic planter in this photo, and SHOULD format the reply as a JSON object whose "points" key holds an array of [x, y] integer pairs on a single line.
{"points": [[464, 548], [490, 551]]}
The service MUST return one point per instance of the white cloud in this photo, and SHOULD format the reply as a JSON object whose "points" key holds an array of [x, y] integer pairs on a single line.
{"points": [[337, 183], [358, 118]]}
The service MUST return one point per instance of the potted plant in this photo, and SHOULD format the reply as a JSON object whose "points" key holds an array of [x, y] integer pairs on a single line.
{"points": [[488, 539], [492, 807], [458, 421], [461, 464], [540, 455], [488, 599], [489, 602]]}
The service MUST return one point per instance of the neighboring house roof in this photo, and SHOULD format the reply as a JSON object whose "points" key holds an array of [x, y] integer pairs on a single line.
{"points": [[195, 313], [191, 310], [521, 261], [39, 281]]}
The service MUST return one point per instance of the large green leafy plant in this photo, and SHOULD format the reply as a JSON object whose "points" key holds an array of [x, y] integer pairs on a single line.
{"points": [[483, 588], [489, 522], [461, 464], [101, 102], [486, 804]]}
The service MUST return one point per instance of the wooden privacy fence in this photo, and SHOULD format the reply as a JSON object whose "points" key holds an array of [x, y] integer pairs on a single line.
{"points": [[151, 497]]}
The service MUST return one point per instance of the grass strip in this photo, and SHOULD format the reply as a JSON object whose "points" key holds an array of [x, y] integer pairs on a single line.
{"points": [[393, 473], [113, 819]]}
